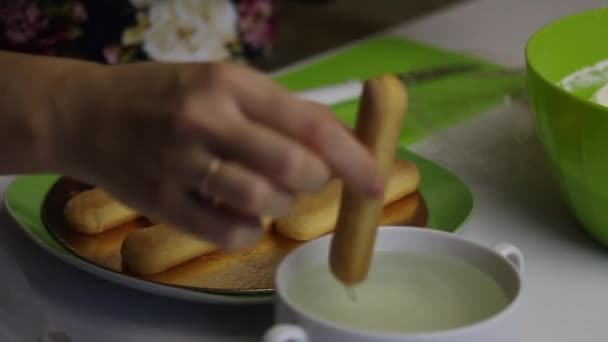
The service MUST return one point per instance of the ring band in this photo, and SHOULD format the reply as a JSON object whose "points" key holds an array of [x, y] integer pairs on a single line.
{"points": [[212, 169]]}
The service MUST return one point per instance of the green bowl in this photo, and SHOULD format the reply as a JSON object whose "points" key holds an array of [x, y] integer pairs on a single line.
{"points": [[572, 129]]}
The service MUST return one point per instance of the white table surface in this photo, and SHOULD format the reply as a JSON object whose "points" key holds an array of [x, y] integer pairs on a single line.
{"points": [[496, 154]]}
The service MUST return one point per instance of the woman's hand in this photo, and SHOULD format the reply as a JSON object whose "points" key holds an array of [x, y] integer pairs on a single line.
{"points": [[207, 147]]}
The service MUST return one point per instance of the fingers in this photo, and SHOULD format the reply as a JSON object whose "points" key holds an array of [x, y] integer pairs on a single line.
{"points": [[222, 226], [281, 160], [232, 185], [315, 126], [290, 164], [311, 124], [248, 192]]}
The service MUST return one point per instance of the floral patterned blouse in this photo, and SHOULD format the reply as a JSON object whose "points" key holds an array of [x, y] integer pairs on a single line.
{"points": [[122, 31]]}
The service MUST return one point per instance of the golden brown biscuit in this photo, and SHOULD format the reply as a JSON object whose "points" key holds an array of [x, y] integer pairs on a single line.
{"points": [[94, 211], [379, 121], [316, 214], [155, 249], [402, 212]]}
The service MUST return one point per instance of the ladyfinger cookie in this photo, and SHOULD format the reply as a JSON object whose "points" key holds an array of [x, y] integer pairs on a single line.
{"points": [[316, 214], [157, 248], [379, 121], [95, 211]]}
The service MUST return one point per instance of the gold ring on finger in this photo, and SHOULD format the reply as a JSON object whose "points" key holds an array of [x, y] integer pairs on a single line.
{"points": [[212, 169]]}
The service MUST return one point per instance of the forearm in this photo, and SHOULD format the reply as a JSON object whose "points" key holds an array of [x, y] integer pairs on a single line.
{"points": [[32, 90]]}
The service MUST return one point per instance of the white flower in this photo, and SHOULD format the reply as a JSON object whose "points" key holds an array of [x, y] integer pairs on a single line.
{"points": [[190, 30]]}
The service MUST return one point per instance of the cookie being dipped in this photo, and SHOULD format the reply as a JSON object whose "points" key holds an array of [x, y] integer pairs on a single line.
{"points": [[381, 111]]}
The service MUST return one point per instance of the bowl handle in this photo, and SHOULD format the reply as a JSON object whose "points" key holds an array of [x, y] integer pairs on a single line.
{"points": [[286, 333], [511, 253]]}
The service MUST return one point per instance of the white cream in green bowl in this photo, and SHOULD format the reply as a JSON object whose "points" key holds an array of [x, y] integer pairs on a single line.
{"points": [[601, 96], [590, 83]]}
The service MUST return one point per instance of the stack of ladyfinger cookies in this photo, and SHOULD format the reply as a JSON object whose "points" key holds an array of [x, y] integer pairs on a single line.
{"points": [[162, 246]]}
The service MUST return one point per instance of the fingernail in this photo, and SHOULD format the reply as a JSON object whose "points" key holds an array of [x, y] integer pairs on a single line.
{"points": [[243, 238], [377, 190]]}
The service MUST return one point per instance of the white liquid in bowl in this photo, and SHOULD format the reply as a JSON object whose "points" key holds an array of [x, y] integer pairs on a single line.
{"points": [[405, 292]]}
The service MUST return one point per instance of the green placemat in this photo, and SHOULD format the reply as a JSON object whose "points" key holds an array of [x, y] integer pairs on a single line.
{"points": [[433, 105]]}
